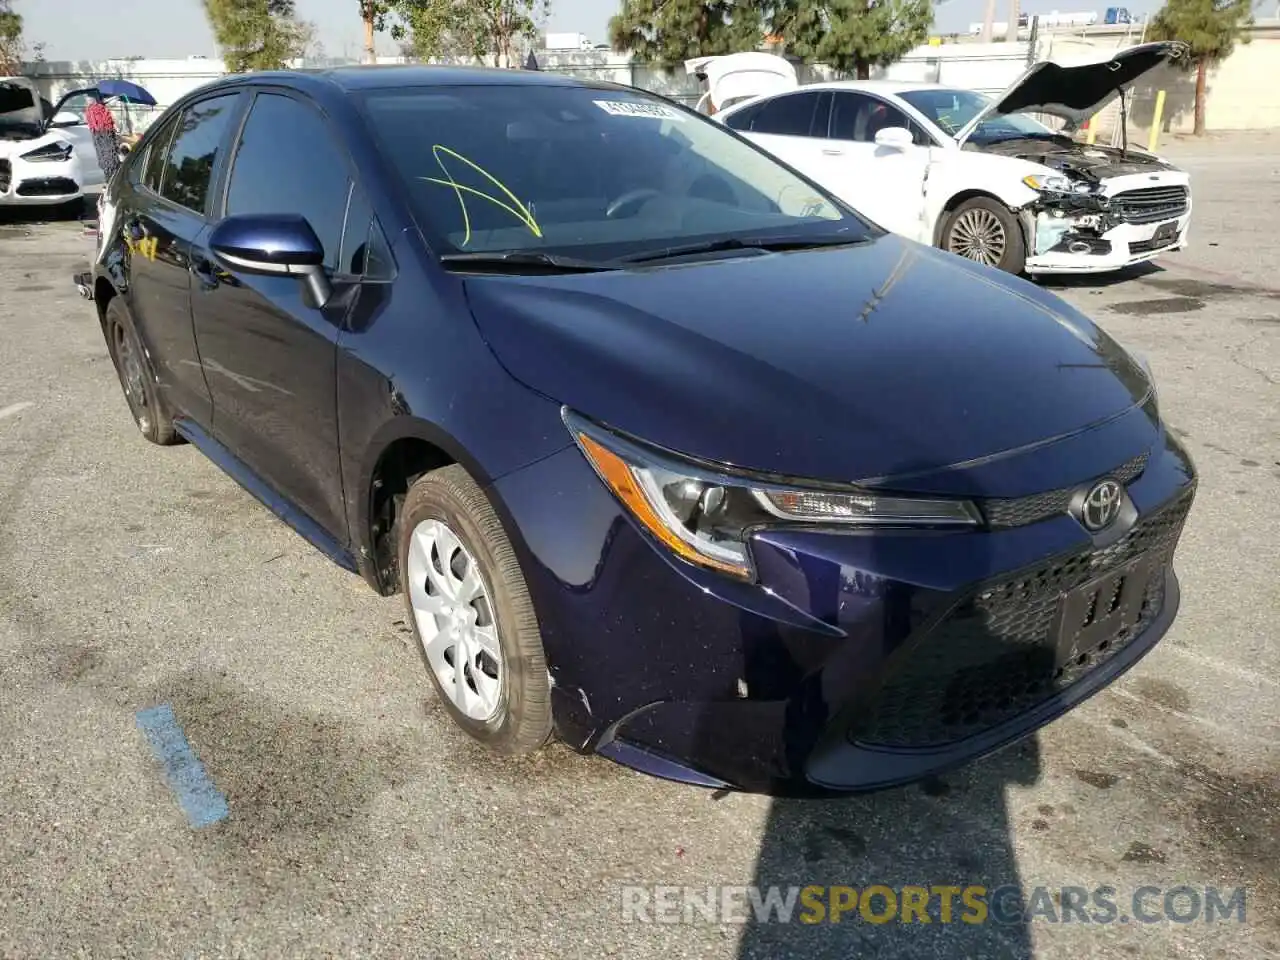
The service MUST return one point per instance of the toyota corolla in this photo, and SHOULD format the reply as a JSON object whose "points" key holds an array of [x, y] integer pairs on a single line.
{"points": [[670, 453]]}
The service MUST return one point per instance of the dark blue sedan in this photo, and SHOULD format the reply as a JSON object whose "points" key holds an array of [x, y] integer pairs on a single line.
{"points": [[671, 454]]}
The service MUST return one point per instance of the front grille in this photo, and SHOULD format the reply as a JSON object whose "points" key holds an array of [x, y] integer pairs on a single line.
{"points": [[1020, 511], [1150, 204], [992, 658], [47, 187], [6, 175]]}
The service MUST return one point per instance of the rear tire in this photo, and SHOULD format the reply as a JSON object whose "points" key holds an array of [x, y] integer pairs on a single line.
{"points": [[985, 231], [150, 411], [472, 615]]}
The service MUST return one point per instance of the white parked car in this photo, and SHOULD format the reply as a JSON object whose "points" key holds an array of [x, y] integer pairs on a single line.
{"points": [[44, 160], [976, 175]]}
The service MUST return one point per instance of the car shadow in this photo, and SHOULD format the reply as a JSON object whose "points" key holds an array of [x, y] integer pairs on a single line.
{"points": [[76, 210], [947, 835], [946, 843]]}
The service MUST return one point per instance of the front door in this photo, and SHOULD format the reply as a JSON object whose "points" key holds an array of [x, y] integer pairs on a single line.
{"points": [[165, 213], [269, 353], [885, 183]]}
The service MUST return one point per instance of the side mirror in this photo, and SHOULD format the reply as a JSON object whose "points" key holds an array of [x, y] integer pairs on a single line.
{"points": [[65, 118], [895, 138], [279, 244]]}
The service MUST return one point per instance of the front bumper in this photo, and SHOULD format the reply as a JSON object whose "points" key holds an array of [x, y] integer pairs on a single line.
{"points": [[858, 662], [1122, 246], [23, 183]]}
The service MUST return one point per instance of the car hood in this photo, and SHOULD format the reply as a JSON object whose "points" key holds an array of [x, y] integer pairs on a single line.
{"points": [[21, 113], [1078, 91], [842, 364]]}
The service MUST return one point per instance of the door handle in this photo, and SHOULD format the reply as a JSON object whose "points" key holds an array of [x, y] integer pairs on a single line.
{"points": [[828, 152]]}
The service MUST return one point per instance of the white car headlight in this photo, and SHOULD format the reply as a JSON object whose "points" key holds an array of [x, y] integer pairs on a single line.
{"points": [[1049, 184], [49, 153], [705, 516]]}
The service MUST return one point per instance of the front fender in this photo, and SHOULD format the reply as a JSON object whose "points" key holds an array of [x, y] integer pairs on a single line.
{"points": [[961, 174]]}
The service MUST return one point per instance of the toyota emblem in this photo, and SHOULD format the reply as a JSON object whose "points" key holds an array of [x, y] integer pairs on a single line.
{"points": [[1101, 505]]}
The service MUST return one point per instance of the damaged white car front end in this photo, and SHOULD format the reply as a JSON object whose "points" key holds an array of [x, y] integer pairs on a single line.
{"points": [[1087, 208], [1074, 225], [38, 167]]}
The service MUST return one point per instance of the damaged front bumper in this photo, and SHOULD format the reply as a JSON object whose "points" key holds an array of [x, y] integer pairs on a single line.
{"points": [[1099, 232]]}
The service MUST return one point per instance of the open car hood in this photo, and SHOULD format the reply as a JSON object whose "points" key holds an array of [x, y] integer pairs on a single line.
{"points": [[1078, 91], [21, 112], [738, 76]]}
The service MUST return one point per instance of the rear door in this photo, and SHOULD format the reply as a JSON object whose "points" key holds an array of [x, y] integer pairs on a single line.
{"points": [[269, 353], [791, 126], [885, 183], [162, 214]]}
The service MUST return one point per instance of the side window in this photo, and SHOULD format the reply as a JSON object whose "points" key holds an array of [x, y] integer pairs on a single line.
{"points": [[742, 119], [188, 169], [287, 162], [365, 252], [157, 153], [788, 115], [856, 116]]}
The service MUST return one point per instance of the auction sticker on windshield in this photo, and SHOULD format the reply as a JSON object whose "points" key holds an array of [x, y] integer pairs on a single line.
{"points": [[629, 108]]}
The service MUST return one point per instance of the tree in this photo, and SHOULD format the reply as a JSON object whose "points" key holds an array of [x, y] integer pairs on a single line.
{"points": [[672, 31], [13, 46], [257, 34], [1210, 28], [853, 35], [500, 24], [447, 30], [374, 14]]}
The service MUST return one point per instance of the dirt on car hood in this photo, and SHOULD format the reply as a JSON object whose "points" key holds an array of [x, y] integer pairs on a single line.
{"points": [[1078, 91]]}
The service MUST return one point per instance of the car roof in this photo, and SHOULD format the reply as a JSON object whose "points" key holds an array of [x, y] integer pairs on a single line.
{"points": [[383, 76], [881, 87], [890, 87]]}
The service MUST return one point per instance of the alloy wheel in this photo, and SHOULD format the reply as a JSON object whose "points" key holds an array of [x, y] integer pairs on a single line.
{"points": [[454, 616], [978, 235], [131, 378]]}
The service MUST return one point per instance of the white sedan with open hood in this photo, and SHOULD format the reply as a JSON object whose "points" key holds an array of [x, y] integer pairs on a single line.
{"points": [[44, 160], [974, 175]]}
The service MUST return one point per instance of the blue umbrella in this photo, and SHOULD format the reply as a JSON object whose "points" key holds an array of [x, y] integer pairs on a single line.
{"points": [[126, 90]]}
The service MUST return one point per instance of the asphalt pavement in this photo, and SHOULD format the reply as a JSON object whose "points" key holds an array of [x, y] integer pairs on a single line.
{"points": [[149, 607]]}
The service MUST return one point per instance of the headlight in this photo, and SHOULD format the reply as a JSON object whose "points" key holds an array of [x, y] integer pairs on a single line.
{"points": [[49, 153], [1048, 184], [705, 515]]}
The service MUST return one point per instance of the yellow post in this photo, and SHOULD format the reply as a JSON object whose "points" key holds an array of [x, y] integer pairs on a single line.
{"points": [[1093, 128], [1154, 139]]}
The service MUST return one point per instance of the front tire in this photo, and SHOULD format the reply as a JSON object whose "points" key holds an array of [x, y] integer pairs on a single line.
{"points": [[984, 230], [150, 411], [472, 615]]}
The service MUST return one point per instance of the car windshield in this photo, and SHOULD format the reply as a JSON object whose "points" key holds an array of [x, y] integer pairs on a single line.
{"points": [[952, 109], [593, 173], [20, 111]]}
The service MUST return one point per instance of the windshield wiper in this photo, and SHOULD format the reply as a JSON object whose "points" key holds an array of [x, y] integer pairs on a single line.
{"points": [[523, 260], [742, 243]]}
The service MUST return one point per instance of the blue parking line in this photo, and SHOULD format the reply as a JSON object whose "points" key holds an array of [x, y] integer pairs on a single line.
{"points": [[200, 799]]}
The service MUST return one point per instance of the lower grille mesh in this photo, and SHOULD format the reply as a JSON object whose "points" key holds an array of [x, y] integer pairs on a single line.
{"points": [[993, 657]]}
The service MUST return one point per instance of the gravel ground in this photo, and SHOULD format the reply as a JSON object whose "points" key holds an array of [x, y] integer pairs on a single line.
{"points": [[361, 824]]}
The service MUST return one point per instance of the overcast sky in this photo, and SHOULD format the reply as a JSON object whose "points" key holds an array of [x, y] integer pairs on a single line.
{"points": [[100, 29]]}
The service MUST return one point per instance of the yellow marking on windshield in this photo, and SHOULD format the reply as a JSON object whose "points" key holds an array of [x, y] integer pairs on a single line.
{"points": [[519, 211]]}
